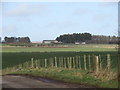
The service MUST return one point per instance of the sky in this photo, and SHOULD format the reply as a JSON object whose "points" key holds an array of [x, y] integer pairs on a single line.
{"points": [[48, 20]]}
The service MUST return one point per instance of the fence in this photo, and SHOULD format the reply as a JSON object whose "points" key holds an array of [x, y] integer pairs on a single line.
{"points": [[86, 62]]}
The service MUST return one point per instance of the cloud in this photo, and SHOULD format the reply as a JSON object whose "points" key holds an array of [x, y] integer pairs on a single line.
{"points": [[26, 10]]}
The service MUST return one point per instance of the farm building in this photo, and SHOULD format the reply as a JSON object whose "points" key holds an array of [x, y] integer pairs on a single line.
{"points": [[83, 43], [49, 41], [77, 42], [80, 43]]}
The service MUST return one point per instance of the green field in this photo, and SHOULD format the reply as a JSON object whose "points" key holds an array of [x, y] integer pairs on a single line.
{"points": [[16, 55], [62, 48], [11, 59], [12, 56]]}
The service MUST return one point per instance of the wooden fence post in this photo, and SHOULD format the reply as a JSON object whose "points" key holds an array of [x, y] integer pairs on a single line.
{"points": [[73, 62], [42, 64], [59, 62], [100, 61], [97, 64], [64, 62], [79, 63], [45, 62], [70, 63], [85, 62], [89, 62], [93, 67], [41, 61], [108, 62], [55, 62], [32, 63]]}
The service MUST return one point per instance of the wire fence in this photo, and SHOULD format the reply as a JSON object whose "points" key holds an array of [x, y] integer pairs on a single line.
{"points": [[84, 62]]}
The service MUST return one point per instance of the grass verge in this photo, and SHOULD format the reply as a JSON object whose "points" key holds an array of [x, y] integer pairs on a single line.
{"points": [[71, 76]]}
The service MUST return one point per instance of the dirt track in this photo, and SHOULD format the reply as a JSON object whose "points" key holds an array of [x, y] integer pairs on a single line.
{"points": [[12, 81]]}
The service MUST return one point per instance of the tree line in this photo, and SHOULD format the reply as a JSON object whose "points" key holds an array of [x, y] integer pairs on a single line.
{"points": [[75, 37], [88, 38], [70, 38], [17, 40]]}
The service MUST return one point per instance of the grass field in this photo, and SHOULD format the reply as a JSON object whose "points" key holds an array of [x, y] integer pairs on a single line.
{"points": [[16, 55], [12, 56], [11, 59], [63, 48]]}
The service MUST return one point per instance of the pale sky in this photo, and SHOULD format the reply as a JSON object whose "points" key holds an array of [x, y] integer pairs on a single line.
{"points": [[47, 20]]}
